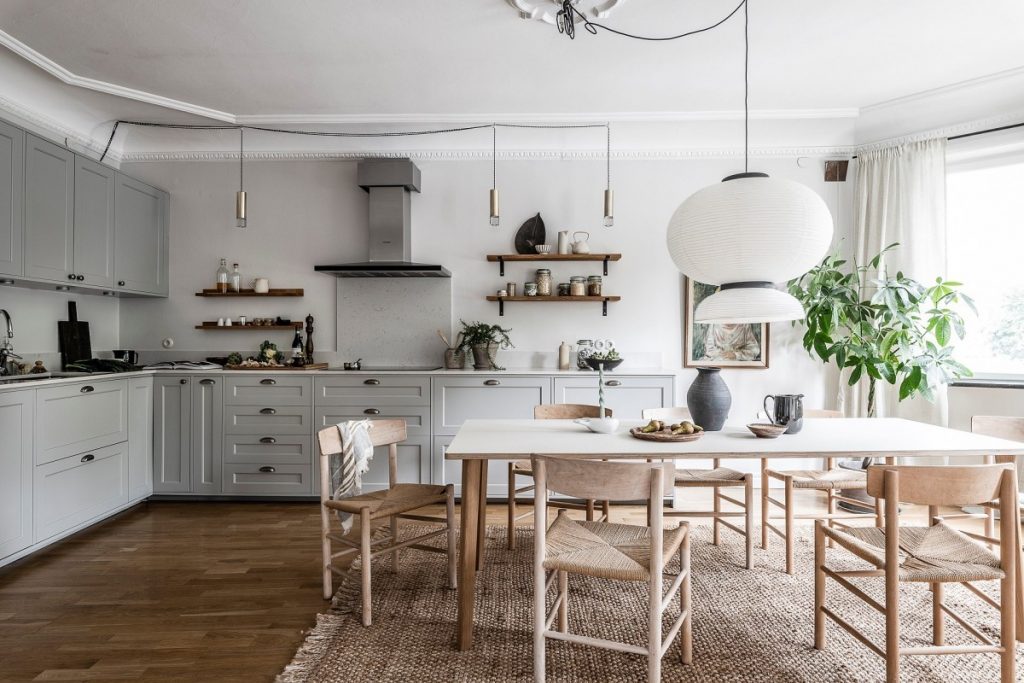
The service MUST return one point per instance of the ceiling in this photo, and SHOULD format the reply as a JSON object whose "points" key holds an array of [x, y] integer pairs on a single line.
{"points": [[375, 59]]}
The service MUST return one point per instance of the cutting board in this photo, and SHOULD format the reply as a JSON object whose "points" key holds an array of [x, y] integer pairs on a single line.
{"points": [[73, 337]]}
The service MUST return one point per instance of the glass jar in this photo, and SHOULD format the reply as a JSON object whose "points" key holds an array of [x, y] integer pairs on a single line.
{"points": [[594, 285], [577, 285], [530, 288], [563, 289], [584, 349], [543, 282]]}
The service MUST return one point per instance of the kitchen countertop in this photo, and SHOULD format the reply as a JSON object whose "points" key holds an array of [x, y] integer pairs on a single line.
{"points": [[511, 372]]}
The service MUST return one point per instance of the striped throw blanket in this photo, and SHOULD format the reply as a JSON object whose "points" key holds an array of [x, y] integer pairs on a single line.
{"points": [[347, 468]]}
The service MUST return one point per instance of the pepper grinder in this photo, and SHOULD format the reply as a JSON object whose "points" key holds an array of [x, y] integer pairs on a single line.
{"points": [[309, 339]]}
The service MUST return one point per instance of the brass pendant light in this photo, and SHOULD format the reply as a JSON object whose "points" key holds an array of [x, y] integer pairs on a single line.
{"points": [[240, 198]]}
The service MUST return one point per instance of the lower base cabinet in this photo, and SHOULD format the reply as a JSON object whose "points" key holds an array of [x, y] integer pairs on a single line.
{"points": [[268, 480], [16, 465], [78, 488], [140, 438]]}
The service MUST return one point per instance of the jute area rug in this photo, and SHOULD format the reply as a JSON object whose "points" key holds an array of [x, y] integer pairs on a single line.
{"points": [[754, 625]]}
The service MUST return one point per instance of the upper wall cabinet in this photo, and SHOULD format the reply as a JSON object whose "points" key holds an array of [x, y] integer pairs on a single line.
{"points": [[49, 211], [93, 260], [12, 190], [140, 237]]}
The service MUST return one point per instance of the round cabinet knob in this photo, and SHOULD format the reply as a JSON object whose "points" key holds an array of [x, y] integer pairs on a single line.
{"points": [[183, 381], [80, 278], [120, 283], [71, 276]]}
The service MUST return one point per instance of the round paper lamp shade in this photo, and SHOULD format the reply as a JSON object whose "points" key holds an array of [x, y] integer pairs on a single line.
{"points": [[749, 230], [748, 305]]}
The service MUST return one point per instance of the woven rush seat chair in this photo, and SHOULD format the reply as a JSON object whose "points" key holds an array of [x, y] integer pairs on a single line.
{"points": [[935, 554], [393, 503], [524, 468], [831, 481], [608, 551], [716, 478]]}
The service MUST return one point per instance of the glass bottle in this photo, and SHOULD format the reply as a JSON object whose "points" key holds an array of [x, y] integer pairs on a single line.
{"points": [[236, 279], [222, 276]]}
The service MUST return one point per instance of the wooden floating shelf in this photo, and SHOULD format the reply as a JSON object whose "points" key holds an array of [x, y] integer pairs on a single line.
{"points": [[504, 258], [551, 299], [268, 328], [252, 292]]}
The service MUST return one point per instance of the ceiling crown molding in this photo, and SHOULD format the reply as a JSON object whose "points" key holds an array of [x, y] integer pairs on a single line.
{"points": [[55, 130], [547, 10]]}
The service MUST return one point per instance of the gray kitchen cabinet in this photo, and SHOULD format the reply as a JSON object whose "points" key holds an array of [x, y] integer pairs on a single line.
{"points": [[141, 237], [268, 480], [93, 253], [49, 210], [371, 391], [626, 396], [261, 420], [417, 418], [74, 418], [79, 488], [268, 391], [140, 437], [207, 429], [457, 399], [172, 434], [12, 195], [16, 466]]}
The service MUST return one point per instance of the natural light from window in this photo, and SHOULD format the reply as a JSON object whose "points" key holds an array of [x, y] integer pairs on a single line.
{"points": [[985, 251]]}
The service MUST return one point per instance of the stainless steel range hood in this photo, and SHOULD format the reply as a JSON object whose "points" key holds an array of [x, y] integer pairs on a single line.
{"points": [[388, 182]]}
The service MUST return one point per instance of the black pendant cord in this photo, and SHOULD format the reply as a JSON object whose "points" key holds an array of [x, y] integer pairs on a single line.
{"points": [[241, 160], [566, 17], [608, 155], [746, 87], [494, 158]]}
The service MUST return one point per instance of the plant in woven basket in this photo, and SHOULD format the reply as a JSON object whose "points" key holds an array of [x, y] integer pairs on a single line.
{"points": [[484, 340], [886, 329]]}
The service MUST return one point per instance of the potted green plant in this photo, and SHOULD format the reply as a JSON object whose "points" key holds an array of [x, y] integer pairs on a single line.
{"points": [[484, 340], [887, 329]]}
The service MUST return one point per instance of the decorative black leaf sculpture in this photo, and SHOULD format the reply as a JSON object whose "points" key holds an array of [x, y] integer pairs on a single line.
{"points": [[530, 234]]}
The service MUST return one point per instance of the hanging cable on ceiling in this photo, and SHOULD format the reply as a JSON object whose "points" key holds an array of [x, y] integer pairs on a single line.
{"points": [[568, 16]]}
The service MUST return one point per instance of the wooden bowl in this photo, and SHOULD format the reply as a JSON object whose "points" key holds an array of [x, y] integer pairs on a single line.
{"points": [[664, 436], [766, 430]]}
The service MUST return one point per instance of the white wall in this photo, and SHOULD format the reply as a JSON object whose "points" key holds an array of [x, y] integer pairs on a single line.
{"points": [[304, 213], [35, 314]]}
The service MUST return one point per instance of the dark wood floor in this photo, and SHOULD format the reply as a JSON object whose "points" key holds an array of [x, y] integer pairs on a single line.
{"points": [[166, 591]]}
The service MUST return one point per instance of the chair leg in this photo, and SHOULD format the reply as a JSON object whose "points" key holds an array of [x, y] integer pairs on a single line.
{"points": [[325, 546], [453, 544], [879, 514], [538, 620], [831, 510], [685, 601], [938, 627], [563, 606], [394, 539], [892, 627], [716, 534], [606, 509], [364, 556], [790, 562], [590, 510], [819, 586], [990, 524], [654, 629], [748, 509], [511, 507], [1008, 628], [764, 504]]}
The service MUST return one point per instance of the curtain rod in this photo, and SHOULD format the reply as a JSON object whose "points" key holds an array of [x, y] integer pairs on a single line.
{"points": [[979, 132]]}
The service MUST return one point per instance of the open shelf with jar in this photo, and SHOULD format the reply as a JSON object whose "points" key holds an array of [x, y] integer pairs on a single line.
{"points": [[551, 299], [502, 259]]}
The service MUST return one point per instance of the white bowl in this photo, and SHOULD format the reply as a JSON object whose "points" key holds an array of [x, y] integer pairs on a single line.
{"points": [[543, 248], [600, 425]]}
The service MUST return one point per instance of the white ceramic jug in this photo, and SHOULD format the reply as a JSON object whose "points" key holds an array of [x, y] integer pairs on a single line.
{"points": [[563, 242], [580, 246]]}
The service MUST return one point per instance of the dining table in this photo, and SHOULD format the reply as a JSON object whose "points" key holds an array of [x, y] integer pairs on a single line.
{"points": [[479, 441]]}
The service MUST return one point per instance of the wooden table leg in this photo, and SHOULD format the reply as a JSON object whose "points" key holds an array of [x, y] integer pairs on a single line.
{"points": [[481, 539], [468, 539]]}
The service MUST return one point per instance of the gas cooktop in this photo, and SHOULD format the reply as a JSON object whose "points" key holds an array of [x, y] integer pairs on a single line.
{"points": [[395, 368]]}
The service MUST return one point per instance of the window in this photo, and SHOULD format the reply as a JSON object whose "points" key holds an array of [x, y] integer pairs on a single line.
{"points": [[985, 251]]}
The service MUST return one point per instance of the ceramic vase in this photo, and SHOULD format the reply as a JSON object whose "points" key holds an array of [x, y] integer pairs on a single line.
{"points": [[483, 356], [708, 399]]}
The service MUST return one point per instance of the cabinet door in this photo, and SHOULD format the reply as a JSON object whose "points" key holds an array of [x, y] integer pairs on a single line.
{"points": [[626, 396], [93, 262], [12, 193], [457, 399], [74, 418], [49, 210], [16, 471], [80, 488], [172, 436], [140, 437], [207, 432], [140, 237]]}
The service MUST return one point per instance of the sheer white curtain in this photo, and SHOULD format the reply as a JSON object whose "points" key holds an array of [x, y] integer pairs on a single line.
{"points": [[900, 196]]}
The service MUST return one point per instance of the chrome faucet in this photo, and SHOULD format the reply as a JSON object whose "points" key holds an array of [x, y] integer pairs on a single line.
{"points": [[7, 365], [10, 327]]}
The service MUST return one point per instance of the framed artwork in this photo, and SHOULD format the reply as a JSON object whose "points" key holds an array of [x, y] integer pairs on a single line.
{"points": [[719, 345]]}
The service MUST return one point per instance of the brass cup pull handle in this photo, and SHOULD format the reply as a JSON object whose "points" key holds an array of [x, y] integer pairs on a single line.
{"points": [[372, 411], [88, 458], [268, 439], [491, 382], [371, 382], [613, 383], [207, 381], [268, 381], [87, 389], [268, 469], [268, 411]]}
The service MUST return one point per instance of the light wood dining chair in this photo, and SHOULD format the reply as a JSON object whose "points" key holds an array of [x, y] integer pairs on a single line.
{"points": [[620, 552], [935, 554], [831, 481], [716, 478], [396, 502], [523, 468]]}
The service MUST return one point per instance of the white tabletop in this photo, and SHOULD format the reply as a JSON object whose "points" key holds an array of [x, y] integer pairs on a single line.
{"points": [[854, 438]]}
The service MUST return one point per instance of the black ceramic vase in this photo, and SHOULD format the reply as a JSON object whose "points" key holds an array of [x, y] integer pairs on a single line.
{"points": [[708, 399]]}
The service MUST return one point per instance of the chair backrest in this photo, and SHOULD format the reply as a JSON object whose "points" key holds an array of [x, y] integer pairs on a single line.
{"points": [[818, 413], [674, 414], [567, 411], [929, 485], [599, 480], [382, 433], [999, 426]]}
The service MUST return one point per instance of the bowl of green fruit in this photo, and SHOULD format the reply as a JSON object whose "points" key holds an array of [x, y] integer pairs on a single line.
{"points": [[609, 359], [660, 430]]}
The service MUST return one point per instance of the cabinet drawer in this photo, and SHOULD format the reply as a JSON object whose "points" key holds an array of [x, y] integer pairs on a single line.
{"points": [[626, 396], [413, 465], [263, 420], [79, 417], [417, 418], [76, 489], [457, 399], [275, 480], [373, 390], [268, 390], [268, 449]]}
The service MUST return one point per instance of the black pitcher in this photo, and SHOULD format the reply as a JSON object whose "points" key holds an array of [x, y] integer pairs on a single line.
{"points": [[788, 409]]}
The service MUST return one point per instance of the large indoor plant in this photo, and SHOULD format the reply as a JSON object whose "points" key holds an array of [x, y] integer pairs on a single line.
{"points": [[884, 328], [484, 340]]}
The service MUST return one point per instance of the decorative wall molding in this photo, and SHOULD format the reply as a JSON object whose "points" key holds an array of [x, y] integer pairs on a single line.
{"points": [[945, 131], [944, 90], [56, 130]]}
